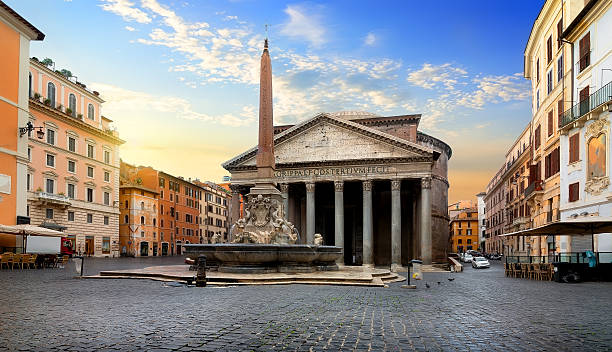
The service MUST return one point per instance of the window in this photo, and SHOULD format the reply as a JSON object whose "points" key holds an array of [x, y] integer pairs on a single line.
{"points": [[126, 219], [596, 160], [559, 32], [560, 111], [154, 222], [162, 182], [538, 70], [29, 182], [536, 137], [574, 145], [29, 154], [50, 136], [560, 68], [106, 220], [574, 190], [106, 176], [50, 186], [549, 82], [469, 241], [551, 124], [460, 241], [584, 100], [585, 51], [549, 50], [30, 84], [551, 163], [90, 151], [71, 166], [537, 99], [70, 216], [71, 190], [106, 198], [142, 220], [106, 157], [142, 206], [72, 104], [89, 218], [72, 144], [90, 195], [90, 112], [90, 171], [49, 213], [51, 93], [50, 160], [105, 245], [142, 234]]}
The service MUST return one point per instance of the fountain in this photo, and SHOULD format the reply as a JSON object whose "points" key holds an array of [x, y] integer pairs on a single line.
{"points": [[263, 241]]}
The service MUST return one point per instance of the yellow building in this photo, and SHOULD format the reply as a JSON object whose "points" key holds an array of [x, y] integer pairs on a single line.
{"points": [[464, 230]]}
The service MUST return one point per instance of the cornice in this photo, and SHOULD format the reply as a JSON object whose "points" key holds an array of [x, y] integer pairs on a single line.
{"points": [[65, 80], [342, 163], [74, 122]]}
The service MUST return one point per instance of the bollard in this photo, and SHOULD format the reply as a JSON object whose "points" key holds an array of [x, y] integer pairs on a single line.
{"points": [[201, 273]]}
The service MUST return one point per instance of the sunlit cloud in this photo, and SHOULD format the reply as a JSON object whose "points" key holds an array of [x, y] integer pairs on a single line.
{"points": [[370, 39], [126, 10], [304, 24]]}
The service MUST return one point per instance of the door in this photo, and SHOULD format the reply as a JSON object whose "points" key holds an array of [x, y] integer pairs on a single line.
{"points": [[178, 247], [164, 249], [155, 249], [144, 249], [89, 245]]}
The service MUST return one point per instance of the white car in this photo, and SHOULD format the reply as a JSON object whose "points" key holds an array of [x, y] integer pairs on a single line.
{"points": [[467, 258], [480, 262]]}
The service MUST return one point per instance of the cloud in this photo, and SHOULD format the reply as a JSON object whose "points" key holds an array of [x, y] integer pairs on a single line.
{"points": [[123, 104], [370, 39], [430, 76], [131, 29], [304, 24], [496, 89], [126, 10]]}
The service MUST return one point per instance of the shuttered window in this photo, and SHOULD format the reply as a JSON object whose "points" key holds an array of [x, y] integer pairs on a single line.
{"points": [[549, 50], [538, 70], [560, 110], [551, 123], [536, 137], [585, 51], [574, 192], [584, 100], [574, 148], [559, 32]]}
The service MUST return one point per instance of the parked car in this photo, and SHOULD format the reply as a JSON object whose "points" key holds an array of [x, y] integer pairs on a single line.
{"points": [[480, 262], [467, 258], [461, 256]]}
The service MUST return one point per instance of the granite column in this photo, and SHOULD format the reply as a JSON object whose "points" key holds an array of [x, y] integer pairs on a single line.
{"points": [[339, 217], [310, 212], [396, 224], [368, 238], [425, 220]]}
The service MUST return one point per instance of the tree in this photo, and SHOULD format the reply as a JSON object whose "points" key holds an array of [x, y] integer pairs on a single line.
{"points": [[66, 73], [47, 62]]}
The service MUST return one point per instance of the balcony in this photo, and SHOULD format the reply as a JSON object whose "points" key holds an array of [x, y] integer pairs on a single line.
{"points": [[53, 199], [601, 96], [521, 220], [533, 189]]}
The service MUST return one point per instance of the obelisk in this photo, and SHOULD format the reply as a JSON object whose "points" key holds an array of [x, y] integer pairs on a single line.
{"points": [[265, 184]]}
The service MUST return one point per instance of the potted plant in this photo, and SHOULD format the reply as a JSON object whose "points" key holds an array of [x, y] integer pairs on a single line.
{"points": [[80, 116], [39, 189], [60, 107], [69, 111], [47, 102]]}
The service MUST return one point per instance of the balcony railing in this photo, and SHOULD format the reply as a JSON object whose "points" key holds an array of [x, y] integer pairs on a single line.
{"points": [[53, 198], [533, 187], [601, 96]]}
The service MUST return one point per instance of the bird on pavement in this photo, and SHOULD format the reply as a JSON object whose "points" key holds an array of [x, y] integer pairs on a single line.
{"points": [[439, 282], [451, 278], [427, 285]]}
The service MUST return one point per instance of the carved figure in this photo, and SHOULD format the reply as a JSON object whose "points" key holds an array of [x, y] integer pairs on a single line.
{"points": [[318, 239], [264, 223], [216, 238]]}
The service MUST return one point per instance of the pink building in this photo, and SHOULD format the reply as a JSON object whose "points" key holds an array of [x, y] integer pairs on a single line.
{"points": [[73, 171]]}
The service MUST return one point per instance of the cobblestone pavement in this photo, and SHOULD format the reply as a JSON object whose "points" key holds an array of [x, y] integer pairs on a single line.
{"points": [[48, 310]]}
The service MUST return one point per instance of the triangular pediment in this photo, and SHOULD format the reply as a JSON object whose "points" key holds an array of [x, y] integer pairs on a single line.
{"points": [[326, 138]]}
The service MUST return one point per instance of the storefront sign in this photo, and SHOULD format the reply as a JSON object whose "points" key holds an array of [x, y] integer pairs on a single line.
{"points": [[333, 171]]}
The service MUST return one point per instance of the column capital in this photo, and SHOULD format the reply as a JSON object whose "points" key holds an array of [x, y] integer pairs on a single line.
{"points": [[284, 187], [339, 186], [235, 189], [426, 182], [310, 186], [367, 185], [396, 185]]}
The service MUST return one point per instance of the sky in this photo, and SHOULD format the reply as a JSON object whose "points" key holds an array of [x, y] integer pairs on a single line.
{"points": [[181, 78]]}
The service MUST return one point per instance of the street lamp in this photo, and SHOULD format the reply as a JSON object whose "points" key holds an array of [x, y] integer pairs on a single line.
{"points": [[29, 128]]}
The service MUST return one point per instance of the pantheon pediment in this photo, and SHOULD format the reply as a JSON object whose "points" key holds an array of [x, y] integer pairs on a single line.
{"points": [[330, 138]]}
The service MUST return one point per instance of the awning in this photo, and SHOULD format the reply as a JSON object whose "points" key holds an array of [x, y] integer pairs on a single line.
{"points": [[579, 226], [29, 230], [53, 226]]}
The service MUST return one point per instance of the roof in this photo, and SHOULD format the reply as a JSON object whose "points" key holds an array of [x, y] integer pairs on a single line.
{"points": [[287, 134], [142, 188], [37, 34], [572, 26]]}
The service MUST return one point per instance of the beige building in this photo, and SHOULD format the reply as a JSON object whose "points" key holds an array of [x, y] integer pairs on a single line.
{"points": [[548, 64], [214, 212], [138, 231]]}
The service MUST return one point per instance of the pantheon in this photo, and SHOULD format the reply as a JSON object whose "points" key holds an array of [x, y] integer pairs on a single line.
{"points": [[374, 185]]}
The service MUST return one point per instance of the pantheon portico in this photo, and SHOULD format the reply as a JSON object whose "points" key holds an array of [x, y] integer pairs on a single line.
{"points": [[373, 185]]}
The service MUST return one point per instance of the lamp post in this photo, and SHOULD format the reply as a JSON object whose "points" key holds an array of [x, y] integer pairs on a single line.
{"points": [[29, 128]]}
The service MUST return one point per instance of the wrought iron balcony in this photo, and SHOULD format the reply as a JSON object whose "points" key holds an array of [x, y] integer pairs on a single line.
{"points": [[601, 96], [51, 198], [533, 189]]}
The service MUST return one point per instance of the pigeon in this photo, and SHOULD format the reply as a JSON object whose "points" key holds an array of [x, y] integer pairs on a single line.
{"points": [[451, 278], [439, 282], [427, 285]]}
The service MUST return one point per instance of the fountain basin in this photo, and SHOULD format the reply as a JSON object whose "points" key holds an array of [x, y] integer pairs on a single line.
{"points": [[266, 258]]}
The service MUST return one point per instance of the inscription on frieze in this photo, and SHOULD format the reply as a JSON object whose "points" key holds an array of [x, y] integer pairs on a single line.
{"points": [[333, 171]]}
